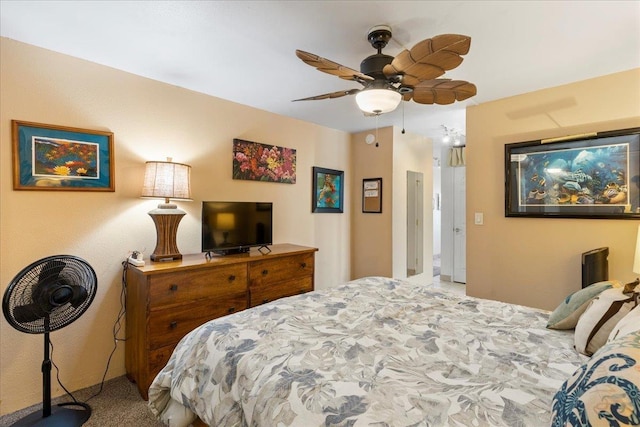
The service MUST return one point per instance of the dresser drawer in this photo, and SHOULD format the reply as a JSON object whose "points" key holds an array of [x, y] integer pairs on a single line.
{"points": [[267, 293], [169, 325], [280, 269], [157, 359], [189, 286]]}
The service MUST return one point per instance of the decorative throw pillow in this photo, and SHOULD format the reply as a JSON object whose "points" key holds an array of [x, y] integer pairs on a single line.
{"points": [[566, 315], [626, 325], [605, 391], [601, 316]]}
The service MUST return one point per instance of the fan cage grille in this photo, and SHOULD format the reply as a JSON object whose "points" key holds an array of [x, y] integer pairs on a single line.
{"points": [[20, 292]]}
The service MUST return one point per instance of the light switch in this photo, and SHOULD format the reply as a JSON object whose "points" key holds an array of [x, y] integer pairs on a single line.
{"points": [[478, 218]]}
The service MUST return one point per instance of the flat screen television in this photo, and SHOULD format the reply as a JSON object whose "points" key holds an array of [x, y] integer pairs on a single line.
{"points": [[235, 227]]}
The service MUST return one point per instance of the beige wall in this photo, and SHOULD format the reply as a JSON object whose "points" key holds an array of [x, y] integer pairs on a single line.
{"points": [[530, 261], [414, 153], [379, 240], [151, 121], [371, 233]]}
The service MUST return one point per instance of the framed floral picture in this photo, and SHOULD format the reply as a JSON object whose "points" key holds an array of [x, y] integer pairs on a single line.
{"points": [[328, 191], [261, 162], [51, 157]]}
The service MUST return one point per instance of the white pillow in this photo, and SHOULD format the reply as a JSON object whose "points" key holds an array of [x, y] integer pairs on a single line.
{"points": [[628, 324], [601, 316]]}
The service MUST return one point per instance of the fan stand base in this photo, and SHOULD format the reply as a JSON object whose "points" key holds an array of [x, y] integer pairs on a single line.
{"points": [[61, 416]]}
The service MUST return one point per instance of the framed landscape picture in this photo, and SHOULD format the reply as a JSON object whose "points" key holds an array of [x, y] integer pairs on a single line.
{"points": [[51, 157], [588, 176]]}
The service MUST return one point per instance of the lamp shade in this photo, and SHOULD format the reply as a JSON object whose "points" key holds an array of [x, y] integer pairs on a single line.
{"points": [[167, 180], [378, 101], [636, 259]]}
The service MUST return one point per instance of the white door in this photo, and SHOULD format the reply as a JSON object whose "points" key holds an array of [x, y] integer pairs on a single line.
{"points": [[459, 225], [415, 215]]}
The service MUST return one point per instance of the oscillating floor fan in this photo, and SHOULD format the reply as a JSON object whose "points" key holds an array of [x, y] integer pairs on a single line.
{"points": [[46, 296]]}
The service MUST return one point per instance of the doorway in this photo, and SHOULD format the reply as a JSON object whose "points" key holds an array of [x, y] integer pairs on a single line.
{"points": [[415, 223], [459, 225], [449, 246]]}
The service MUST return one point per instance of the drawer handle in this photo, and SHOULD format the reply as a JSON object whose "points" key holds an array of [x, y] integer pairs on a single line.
{"points": [[303, 264], [231, 309], [265, 272], [173, 288], [232, 278], [173, 324]]}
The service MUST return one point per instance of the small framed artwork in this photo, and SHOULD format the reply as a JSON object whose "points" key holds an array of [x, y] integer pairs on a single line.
{"points": [[51, 157], [328, 191], [372, 195], [587, 176]]}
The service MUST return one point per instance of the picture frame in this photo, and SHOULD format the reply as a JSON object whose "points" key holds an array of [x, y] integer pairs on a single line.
{"points": [[254, 161], [61, 158], [327, 191], [372, 195], [593, 175]]}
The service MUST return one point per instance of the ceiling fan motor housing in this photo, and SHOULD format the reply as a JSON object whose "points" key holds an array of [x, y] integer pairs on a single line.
{"points": [[373, 65]]}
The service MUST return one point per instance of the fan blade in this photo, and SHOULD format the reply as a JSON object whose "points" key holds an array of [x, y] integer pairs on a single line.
{"points": [[50, 272], [28, 313], [330, 67], [331, 95], [79, 296], [442, 91], [429, 58]]}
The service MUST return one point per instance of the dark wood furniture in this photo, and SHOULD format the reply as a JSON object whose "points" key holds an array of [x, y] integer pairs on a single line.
{"points": [[166, 300]]}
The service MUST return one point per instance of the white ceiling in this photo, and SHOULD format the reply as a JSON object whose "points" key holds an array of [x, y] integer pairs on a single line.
{"points": [[244, 51]]}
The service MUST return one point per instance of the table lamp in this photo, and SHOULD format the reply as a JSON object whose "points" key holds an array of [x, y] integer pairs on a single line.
{"points": [[167, 180]]}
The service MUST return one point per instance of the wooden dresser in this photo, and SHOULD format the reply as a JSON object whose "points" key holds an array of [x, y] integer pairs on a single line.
{"points": [[166, 300]]}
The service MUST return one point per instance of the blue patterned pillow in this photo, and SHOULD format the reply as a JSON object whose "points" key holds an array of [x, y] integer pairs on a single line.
{"points": [[566, 315], [605, 391]]}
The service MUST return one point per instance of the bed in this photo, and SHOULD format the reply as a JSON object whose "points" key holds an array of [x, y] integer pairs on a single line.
{"points": [[372, 352]]}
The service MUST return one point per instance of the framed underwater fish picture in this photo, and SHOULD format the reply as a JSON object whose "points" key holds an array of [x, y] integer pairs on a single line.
{"points": [[594, 175]]}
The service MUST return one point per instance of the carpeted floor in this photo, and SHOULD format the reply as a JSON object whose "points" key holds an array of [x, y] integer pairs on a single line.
{"points": [[118, 405]]}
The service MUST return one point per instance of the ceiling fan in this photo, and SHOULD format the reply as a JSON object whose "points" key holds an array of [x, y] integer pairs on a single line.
{"points": [[411, 75]]}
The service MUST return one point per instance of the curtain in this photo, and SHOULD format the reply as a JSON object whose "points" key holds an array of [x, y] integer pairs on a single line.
{"points": [[457, 156]]}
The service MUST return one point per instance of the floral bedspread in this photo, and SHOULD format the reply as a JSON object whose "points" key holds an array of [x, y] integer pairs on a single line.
{"points": [[373, 352]]}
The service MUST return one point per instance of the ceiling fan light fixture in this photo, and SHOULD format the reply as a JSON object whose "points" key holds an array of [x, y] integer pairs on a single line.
{"points": [[378, 101]]}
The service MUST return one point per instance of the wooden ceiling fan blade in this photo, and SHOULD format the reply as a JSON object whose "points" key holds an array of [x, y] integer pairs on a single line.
{"points": [[443, 91], [330, 67], [331, 95], [430, 58]]}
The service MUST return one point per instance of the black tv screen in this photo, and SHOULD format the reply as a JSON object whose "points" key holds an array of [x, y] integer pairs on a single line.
{"points": [[234, 227]]}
